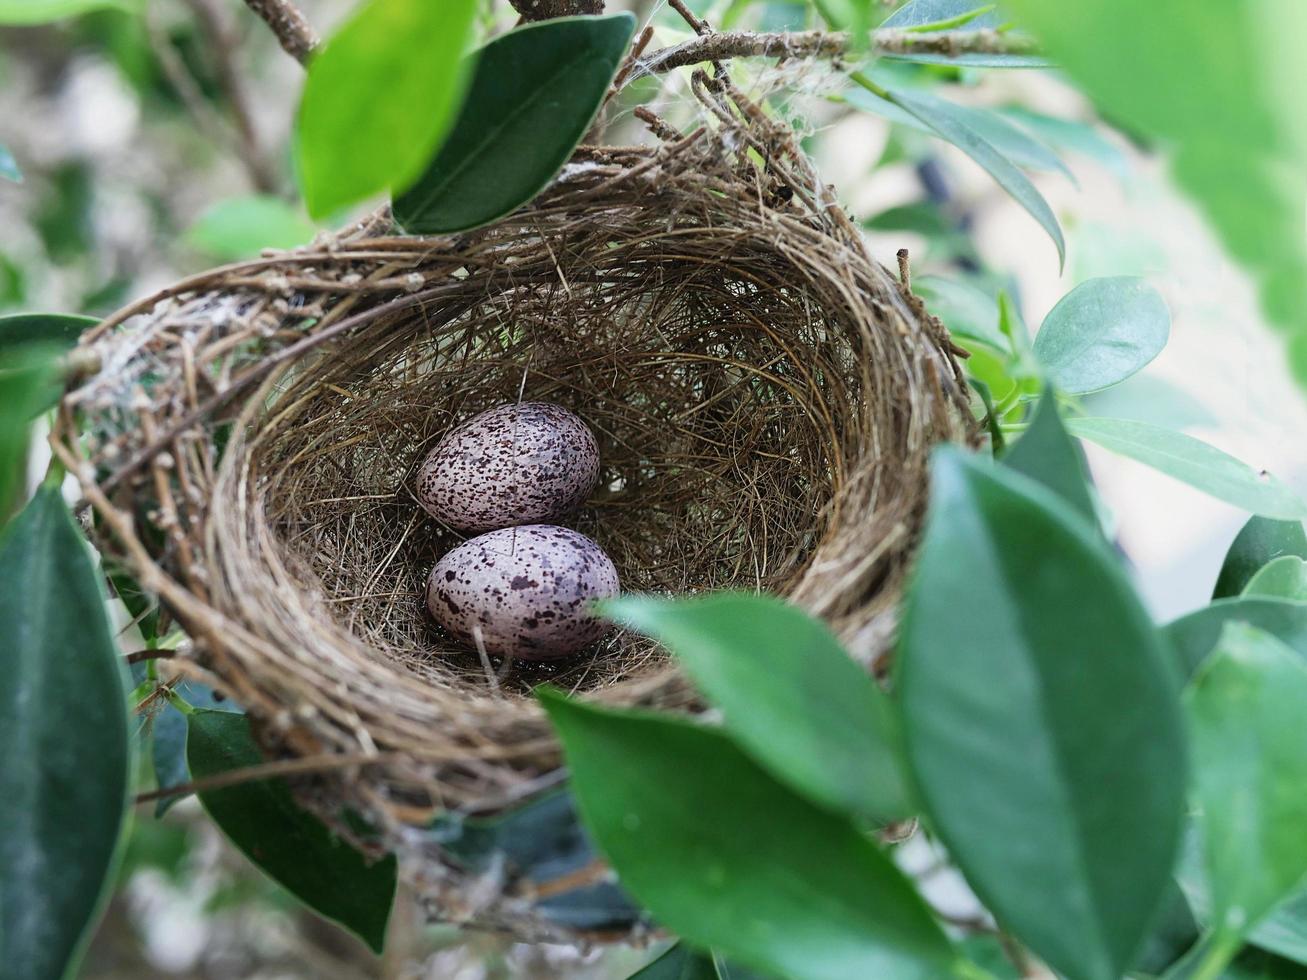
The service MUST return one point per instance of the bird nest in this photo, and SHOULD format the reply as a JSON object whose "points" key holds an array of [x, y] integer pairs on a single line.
{"points": [[764, 395]]}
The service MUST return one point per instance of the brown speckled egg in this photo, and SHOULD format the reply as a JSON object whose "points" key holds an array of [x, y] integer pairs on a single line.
{"points": [[528, 589], [516, 464]]}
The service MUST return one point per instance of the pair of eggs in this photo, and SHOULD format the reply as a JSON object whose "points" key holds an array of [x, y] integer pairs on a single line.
{"points": [[524, 587]]}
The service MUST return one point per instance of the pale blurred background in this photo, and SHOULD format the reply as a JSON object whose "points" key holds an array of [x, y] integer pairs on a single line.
{"points": [[123, 128]]}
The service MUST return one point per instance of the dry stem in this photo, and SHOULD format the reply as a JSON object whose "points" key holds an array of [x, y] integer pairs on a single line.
{"points": [[289, 25]]}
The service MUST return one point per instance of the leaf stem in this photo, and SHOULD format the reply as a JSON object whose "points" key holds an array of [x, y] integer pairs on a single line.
{"points": [[1216, 959]]}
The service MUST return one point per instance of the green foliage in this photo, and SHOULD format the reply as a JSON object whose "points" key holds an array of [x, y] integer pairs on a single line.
{"points": [[168, 738], [9, 166], [994, 641], [1258, 542], [1070, 136], [679, 963], [1194, 636], [63, 787], [1284, 577], [1196, 463], [29, 12], [730, 859], [789, 695], [241, 227], [971, 14], [1245, 709], [1047, 454], [1215, 82], [533, 95], [26, 379], [968, 311], [379, 98], [29, 344], [1102, 332], [290, 845]]}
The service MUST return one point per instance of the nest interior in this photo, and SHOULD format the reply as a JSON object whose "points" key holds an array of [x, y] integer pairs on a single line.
{"points": [[764, 396]]}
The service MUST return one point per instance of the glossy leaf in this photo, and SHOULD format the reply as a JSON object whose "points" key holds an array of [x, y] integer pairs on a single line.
{"points": [[1101, 333], [954, 124], [9, 166], [1194, 636], [1245, 710], [242, 227], [1281, 578], [1259, 541], [64, 783], [1194, 462], [1047, 454], [730, 859], [919, 13], [679, 963], [289, 844], [379, 98], [534, 94], [789, 695], [168, 738], [1020, 635], [27, 12]]}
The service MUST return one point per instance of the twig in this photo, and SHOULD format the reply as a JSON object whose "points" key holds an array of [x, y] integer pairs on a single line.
{"points": [[806, 44], [547, 9], [297, 38], [266, 770], [140, 656]]}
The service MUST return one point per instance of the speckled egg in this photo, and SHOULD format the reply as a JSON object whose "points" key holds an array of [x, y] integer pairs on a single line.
{"points": [[526, 589], [516, 464]]}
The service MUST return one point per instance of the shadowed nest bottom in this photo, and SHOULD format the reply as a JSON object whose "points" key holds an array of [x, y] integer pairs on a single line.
{"points": [[764, 395]]}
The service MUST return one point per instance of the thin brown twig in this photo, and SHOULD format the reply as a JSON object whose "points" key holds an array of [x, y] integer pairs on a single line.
{"points": [[297, 38], [140, 656]]}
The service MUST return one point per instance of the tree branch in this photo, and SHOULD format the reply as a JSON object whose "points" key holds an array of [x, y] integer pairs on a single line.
{"points": [[806, 44], [548, 9], [297, 38]]}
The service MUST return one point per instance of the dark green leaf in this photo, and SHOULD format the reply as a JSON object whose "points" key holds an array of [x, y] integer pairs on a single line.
{"points": [[789, 695], [1101, 333], [379, 97], [63, 786], [1259, 541], [534, 94], [56, 330], [920, 13], [242, 227], [1281, 578], [9, 166], [1019, 636], [291, 845], [1195, 463], [1193, 637], [1245, 709], [730, 859], [1255, 964], [25, 12], [168, 738], [27, 379], [679, 963], [1048, 455], [955, 124]]}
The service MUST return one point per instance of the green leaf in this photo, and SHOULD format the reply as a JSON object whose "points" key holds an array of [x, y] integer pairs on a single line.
{"points": [[1072, 136], [9, 166], [1020, 636], [27, 12], [1047, 454], [289, 844], [168, 739], [790, 696], [1101, 333], [1258, 542], [64, 783], [679, 963], [919, 13], [1194, 636], [242, 227], [1282, 578], [1195, 463], [956, 125], [58, 330], [1237, 136], [379, 98], [534, 94], [730, 859], [968, 311], [1245, 709]]}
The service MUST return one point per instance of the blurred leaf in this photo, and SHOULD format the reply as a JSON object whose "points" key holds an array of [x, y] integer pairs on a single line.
{"points": [[1101, 333], [679, 963], [852, 16], [9, 166], [1280, 578], [789, 694], [1194, 636], [956, 124], [168, 741], [967, 310], [987, 952], [379, 98], [1047, 454], [1231, 116], [27, 377], [21, 12], [1020, 626], [30, 343], [1195, 463], [1255, 964], [63, 213], [1148, 398], [288, 843], [1072, 136], [64, 783], [1259, 541], [242, 227], [923, 12], [1245, 709], [55, 330], [730, 859], [534, 94]]}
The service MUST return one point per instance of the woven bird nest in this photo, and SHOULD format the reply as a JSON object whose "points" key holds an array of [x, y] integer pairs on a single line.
{"points": [[764, 396]]}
